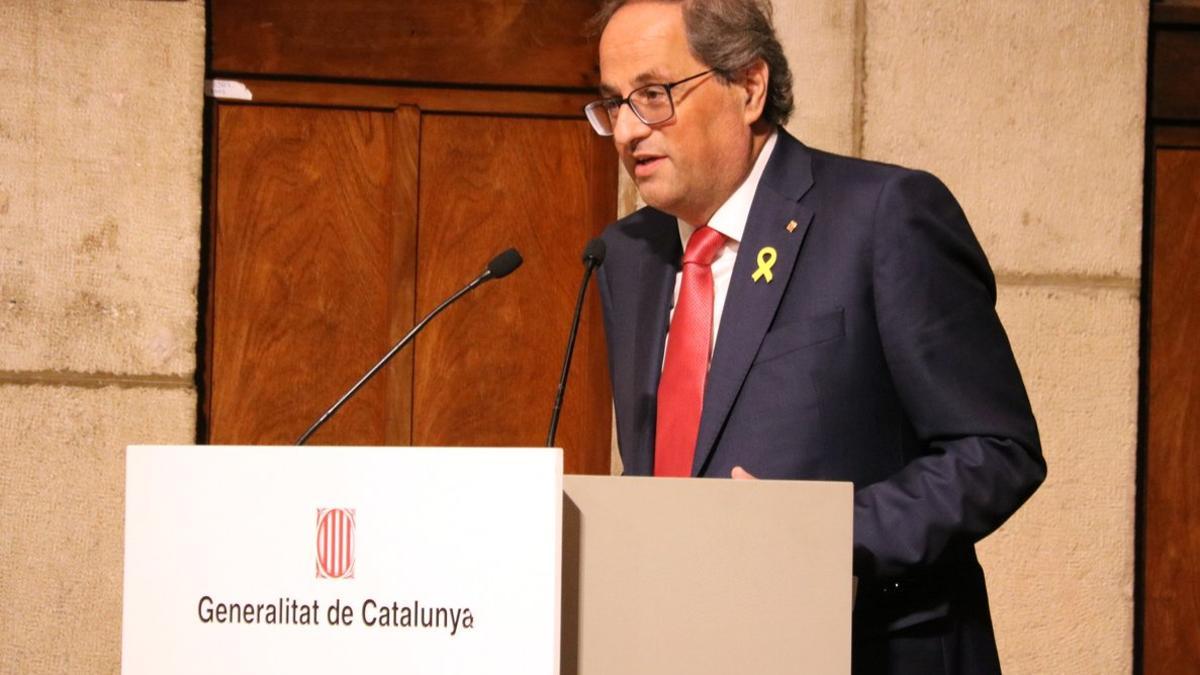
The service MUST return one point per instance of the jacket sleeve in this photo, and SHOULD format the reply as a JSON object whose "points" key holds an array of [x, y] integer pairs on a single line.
{"points": [[978, 456]]}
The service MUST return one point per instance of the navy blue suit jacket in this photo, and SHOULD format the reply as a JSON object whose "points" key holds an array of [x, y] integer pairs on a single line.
{"points": [[875, 356]]}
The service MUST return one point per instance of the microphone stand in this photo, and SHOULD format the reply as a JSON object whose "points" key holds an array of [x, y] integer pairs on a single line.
{"points": [[593, 256], [500, 266]]}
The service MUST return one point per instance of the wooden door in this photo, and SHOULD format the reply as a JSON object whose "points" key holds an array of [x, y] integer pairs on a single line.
{"points": [[1171, 465], [487, 374], [314, 236], [1168, 636], [388, 150]]}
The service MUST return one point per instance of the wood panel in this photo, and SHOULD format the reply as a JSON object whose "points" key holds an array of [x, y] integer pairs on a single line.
{"points": [[428, 99], [493, 42], [1176, 137], [1166, 12], [1175, 94], [486, 372], [1171, 610], [312, 270]]}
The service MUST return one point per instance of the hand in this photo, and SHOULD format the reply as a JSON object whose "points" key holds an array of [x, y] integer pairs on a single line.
{"points": [[739, 473]]}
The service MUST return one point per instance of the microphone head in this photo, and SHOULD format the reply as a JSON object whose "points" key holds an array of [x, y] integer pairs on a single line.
{"points": [[593, 253], [504, 264]]}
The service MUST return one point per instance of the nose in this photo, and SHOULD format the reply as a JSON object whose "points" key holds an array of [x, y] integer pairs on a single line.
{"points": [[628, 128]]}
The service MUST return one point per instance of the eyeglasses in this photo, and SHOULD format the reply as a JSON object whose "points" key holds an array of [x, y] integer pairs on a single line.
{"points": [[652, 104]]}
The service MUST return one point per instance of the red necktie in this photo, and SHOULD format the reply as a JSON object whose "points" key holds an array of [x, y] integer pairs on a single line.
{"points": [[681, 389]]}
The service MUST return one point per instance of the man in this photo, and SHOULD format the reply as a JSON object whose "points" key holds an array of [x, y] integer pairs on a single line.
{"points": [[831, 319]]}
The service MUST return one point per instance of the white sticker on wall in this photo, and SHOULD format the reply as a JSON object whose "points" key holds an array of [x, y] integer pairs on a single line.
{"points": [[227, 89]]}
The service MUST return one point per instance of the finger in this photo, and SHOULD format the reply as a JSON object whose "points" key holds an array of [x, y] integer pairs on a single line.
{"points": [[739, 473]]}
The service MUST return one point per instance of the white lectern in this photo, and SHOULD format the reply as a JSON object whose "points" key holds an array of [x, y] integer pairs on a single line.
{"points": [[341, 560], [456, 560]]}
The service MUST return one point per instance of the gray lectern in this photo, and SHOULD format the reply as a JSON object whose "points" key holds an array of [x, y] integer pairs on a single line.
{"points": [[700, 576]]}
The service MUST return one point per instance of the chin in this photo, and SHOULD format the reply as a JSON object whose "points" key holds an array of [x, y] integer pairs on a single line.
{"points": [[655, 201], [657, 197]]}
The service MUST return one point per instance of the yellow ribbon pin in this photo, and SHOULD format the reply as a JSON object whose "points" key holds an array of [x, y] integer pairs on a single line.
{"points": [[766, 260]]}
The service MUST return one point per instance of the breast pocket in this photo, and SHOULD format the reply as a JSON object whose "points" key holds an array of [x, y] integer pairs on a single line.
{"points": [[806, 332]]}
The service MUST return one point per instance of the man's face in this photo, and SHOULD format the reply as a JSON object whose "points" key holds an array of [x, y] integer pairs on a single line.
{"points": [[689, 165]]}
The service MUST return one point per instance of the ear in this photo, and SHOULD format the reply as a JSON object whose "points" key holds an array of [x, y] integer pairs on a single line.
{"points": [[754, 82]]}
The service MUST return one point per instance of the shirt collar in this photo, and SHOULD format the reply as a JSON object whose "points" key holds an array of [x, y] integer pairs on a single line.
{"points": [[730, 218]]}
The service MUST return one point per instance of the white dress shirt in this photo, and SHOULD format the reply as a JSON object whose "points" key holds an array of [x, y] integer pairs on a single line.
{"points": [[730, 220]]}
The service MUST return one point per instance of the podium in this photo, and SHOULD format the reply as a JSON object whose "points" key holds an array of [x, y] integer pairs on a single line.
{"points": [[341, 560], [473, 560], [698, 576]]}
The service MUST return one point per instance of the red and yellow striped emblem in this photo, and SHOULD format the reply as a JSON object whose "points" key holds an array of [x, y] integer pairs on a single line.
{"points": [[335, 543]]}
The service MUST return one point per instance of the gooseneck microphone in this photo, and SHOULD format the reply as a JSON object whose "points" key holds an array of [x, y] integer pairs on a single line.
{"points": [[593, 257], [499, 267]]}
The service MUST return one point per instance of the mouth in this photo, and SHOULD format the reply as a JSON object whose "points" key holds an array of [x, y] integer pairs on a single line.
{"points": [[646, 165]]}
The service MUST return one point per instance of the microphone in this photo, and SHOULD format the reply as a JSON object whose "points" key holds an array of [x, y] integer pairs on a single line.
{"points": [[593, 257], [499, 267]]}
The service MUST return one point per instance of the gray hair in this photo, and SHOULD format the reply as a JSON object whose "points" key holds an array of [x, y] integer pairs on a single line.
{"points": [[728, 36]]}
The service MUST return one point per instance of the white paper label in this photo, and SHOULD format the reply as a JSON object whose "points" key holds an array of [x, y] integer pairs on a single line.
{"points": [[228, 90]]}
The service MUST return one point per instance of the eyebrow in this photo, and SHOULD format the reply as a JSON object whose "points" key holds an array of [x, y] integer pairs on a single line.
{"points": [[608, 91], [652, 76]]}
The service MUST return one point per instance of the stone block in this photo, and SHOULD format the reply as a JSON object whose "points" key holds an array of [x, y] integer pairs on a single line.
{"points": [[62, 491], [820, 41], [1060, 572], [1033, 114], [100, 199], [17, 74]]}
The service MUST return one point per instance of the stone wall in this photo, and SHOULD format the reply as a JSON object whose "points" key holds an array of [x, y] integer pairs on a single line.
{"points": [[1033, 115], [100, 162]]}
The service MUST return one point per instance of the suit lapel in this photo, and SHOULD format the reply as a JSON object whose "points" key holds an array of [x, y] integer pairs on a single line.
{"points": [[656, 279], [750, 306]]}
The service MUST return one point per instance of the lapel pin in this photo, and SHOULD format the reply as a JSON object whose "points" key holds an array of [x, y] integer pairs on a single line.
{"points": [[791, 226], [766, 260]]}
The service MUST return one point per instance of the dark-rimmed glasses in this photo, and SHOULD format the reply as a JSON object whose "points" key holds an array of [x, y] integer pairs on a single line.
{"points": [[652, 104]]}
